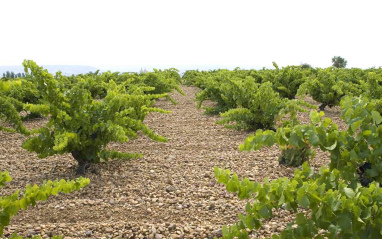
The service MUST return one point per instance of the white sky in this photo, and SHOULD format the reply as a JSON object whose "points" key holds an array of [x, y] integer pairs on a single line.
{"points": [[180, 33]]}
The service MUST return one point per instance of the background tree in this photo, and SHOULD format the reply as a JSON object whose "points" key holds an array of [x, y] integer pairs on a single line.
{"points": [[339, 62], [305, 66]]}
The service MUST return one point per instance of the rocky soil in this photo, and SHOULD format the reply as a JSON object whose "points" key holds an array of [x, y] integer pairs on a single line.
{"points": [[170, 192]]}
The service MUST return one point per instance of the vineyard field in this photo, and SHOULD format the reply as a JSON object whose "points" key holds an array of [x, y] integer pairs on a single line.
{"points": [[170, 192]]}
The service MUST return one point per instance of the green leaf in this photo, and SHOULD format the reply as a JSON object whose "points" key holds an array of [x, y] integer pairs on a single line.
{"points": [[345, 221], [367, 132], [23, 203], [333, 146], [4, 219], [304, 201], [233, 184], [300, 218], [349, 192], [378, 152], [354, 126], [264, 212], [294, 140], [313, 139], [376, 116]]}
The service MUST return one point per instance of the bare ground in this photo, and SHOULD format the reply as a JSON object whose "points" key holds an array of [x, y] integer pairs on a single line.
{"points": [[170, 192]]}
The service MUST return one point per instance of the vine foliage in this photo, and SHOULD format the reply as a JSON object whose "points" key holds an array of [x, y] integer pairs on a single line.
{"points": [[10, 205]]}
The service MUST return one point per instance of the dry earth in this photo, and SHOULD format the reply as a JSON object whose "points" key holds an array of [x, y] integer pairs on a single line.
{"points": [[170, 192]]}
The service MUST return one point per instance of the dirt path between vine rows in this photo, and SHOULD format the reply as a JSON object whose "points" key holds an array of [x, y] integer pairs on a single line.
{"points": [[170, 192]]}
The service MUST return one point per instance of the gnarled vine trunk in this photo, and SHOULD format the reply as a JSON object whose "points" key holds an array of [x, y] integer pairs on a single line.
{"points": [[83, 162]]}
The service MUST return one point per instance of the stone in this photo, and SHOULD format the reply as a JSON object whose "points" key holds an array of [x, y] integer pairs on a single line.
{"points": [[170, 189], [171, 227], [218, 233], [174, 236], [88, 233], [30, 233], [158, 236]]}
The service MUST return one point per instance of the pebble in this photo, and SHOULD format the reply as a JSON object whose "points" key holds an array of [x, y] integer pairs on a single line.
{"points": [[171, 227], [218, 233], [30, 233], [174, 236], [158, 236], [170, 189]]}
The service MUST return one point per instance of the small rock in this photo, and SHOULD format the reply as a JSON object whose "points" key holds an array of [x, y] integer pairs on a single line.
{"points": [[30, 233], [171, 227], [218, 233], [158, 236], [88, 233], [109, 230], [174, 236], [169, 181], [212, 206], [170, 189]]}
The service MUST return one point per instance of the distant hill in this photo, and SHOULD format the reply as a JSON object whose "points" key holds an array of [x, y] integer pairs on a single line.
{"points": [[65, 69]]}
